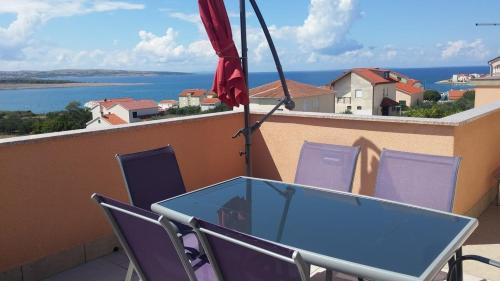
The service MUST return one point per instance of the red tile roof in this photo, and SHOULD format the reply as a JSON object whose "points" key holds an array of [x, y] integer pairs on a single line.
{"points": [[209, 101], [138, 104], [373, 75], [168, 102], [455, 94], [193, 93], [409, 87], [108, 103], [113, 119], [296, 90]]}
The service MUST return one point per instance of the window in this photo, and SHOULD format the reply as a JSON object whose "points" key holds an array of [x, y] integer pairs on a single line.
{"points": [[385, 92], [402, 103], [349, 107], [359, 108], [358, 93], [134, 114]]}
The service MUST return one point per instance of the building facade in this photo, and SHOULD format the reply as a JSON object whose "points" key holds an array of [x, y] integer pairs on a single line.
{"points": [[194, 97], [209, 103], [494, 66], [365, 91], [121, 111], [167, 104], [488, 87], [308, 98]]}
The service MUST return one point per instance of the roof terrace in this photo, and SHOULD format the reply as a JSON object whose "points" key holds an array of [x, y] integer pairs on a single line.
{"points": [[46, 180]]}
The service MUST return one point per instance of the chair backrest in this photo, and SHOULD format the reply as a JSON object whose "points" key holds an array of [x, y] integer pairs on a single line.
{"points": [[418, 179], [327, 165], [239, 257], [151, 176], [149, 241]]}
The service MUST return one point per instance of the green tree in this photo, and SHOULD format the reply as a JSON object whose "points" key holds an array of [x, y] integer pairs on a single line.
{"points": [[432, 95]]}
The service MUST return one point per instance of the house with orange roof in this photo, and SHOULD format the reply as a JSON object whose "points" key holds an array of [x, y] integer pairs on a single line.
{"points": [[209, 103], [121, 111], [166, 104], [100, 107], [193, 97], [307, 97], [409, 92], [454, 95], [366, 91]]}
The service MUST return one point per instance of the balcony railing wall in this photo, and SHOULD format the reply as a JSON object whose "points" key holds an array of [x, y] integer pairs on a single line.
{"points": [[46, 181], [49, 222]]}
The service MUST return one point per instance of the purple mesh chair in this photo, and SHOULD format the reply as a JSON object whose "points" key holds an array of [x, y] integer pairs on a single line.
{"points": [[235, 256], [151, 243], [151, 176], [327, 165], [417, 179]]}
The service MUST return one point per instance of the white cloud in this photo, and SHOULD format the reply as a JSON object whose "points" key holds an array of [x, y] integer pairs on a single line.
{"points": [[165, 48], [32, 14], [462, 48], [192, 18], [327, 24]]}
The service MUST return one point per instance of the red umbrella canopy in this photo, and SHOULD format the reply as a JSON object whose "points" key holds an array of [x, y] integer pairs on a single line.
{"points": [[229, 81]]}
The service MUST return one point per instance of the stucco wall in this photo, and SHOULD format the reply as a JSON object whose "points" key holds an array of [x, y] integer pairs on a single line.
{"points": [[486, 95], [277, 144], [123, 113], [46, 182], [378, 90], [478, 143], [346, 87], [411, 100], [323, 103]]}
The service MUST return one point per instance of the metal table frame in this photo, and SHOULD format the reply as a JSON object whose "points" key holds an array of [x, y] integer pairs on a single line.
{"points": [[332, 263]]}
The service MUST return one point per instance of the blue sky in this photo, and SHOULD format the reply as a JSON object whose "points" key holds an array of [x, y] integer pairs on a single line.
{"points": [[309, 34]]}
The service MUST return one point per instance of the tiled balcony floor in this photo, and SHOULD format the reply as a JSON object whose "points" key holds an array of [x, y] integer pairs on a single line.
{"points": [[485, 241]]}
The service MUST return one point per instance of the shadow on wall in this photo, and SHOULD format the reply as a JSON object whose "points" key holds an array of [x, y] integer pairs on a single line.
{"points": [[367, 165], [263, 164]]}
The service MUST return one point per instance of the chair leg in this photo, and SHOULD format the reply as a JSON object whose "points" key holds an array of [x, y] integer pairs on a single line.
{"points": [[328, 275], [130, 272]]}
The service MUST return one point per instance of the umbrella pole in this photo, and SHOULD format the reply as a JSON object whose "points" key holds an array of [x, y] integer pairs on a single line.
{"points": [[244, 62]]}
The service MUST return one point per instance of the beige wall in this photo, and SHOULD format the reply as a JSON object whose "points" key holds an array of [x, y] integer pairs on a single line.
{"points": [[390, 90], [46, 183], [324, 103], [486, 95], [411, 100], [478, 143], [189, 101], [346, 87]]}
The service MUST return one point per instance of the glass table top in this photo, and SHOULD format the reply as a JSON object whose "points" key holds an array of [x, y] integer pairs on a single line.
{"points": [[362, 230]]}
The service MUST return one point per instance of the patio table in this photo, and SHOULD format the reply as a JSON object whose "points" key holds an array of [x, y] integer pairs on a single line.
{"points": [[354, 234]]}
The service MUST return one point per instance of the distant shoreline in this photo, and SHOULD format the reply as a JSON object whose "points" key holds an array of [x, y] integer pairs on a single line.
{"points": [[453, 83], [25, 86]]}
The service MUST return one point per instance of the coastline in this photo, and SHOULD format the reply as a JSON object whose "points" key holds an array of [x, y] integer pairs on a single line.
{"points": [[24, 86], [447, 82]]}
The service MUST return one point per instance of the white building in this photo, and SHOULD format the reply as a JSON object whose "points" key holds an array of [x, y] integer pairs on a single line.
{"points": [[366, 91], [307, 97], [167, 104], [193, 97], [494, 66], [121, 111], [209, 103]]}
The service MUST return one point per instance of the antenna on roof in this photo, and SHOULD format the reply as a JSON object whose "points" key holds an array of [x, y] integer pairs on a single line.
{"points": [[487, 24]]}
